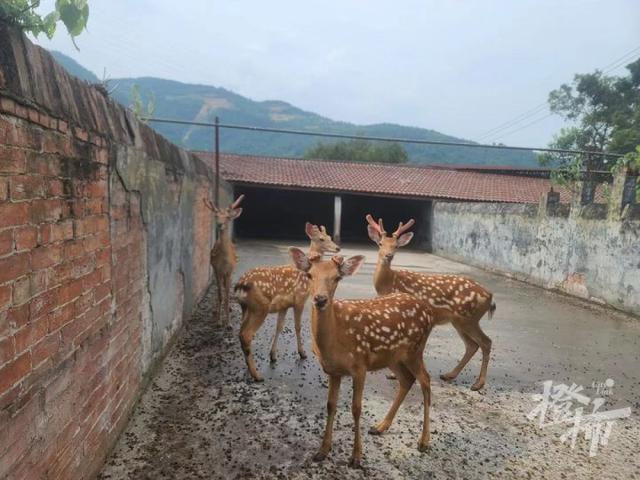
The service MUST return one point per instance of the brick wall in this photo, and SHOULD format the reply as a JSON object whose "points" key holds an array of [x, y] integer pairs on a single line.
{"points": [[100, 220]]}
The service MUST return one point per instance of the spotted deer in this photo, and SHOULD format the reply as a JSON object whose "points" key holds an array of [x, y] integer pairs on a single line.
{"points": [[352, 337], [223, 255], [454, 299], [265, 290]]}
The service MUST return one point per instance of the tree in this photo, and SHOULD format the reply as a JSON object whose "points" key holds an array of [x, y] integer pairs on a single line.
{"points": [[22, 13], [605, 112], [362, 151]]}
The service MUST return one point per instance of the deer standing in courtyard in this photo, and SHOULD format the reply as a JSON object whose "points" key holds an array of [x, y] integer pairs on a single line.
{"points": [[454, 299], [352, 337], [223, 255], [265, 290]]}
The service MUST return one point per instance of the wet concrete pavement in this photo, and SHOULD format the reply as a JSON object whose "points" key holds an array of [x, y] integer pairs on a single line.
{"points": [[202, 416]]}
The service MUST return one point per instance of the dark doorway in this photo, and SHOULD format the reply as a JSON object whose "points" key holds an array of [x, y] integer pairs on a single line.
{"points": [[392, 211], [273, 213]]}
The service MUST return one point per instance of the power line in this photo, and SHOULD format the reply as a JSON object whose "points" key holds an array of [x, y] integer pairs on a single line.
{"points": [[374, 138], [615, 64]]}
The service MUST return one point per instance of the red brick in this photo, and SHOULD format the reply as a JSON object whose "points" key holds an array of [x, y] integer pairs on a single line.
{"points": [[63, 126], [68, 292], [18, 316], [61, 316], [4, 188], [43, 211], [25, 187], [12, 160], [45, 349], [102, 291], [73, 249], [81, 134], [43, 304], [26, 238], [97, 189], [34, 115], [5, 296], [6, 242], [29, 286], [15, 371], [7, 350], [54, 187], [14, 266], [46, 165], [55, 232], [43, 257], [103, 257], [75, 328], [30, 334], [13, 214]]}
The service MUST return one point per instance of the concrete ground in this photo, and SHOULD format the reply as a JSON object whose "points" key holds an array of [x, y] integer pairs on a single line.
{"points": [[203, 417]]}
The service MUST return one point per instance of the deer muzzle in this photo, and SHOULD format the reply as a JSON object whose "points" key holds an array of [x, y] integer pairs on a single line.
{"points": [[320, 301]]}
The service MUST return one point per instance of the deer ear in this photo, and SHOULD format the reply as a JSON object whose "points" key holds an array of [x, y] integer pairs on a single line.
{"points": [[405, 238], [373, 234], [235, 213], [299, 259], [309, 229], [351, 265]]}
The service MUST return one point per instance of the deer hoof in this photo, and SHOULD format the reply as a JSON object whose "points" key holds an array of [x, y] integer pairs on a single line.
{"points": [[303, 355], [272, 357], [257, 378], [477, 386], [319, 457], [375, 431], [423, 447], [355, 463], [391, 376], [447, 377]]}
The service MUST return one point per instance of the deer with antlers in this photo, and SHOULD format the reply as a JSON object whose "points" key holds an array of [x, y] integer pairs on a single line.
{"points": [[454, 299], [265, 290], [352, 337], [223, 255]]}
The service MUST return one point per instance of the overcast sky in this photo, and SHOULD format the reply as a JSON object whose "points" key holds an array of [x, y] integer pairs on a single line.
{"points": [[459, 67]]}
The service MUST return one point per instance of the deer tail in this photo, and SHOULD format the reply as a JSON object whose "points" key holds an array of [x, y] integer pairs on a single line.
{"points": [[241, 289], [492, 309]]}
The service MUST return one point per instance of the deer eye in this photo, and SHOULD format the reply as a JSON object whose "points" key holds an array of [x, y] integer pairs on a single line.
{"points": [[309, 276]]}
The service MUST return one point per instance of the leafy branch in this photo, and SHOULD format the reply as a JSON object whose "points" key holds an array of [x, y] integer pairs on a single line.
{"points": [[74, 14]]}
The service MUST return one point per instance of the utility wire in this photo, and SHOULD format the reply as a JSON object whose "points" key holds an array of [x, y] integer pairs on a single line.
{"points": [[374, 138], [615, 64]]}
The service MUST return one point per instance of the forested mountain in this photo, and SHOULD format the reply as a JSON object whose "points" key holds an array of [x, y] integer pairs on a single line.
{"points": [[203, 103]]}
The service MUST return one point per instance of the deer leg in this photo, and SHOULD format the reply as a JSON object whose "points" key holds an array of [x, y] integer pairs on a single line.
{"points": [[405, 382], [356, 410], [471, 347], [478, 336], [252, 322], [279, 325], [420, 372], [297, 320], [227, 296], [332, 405], [219, 297]]}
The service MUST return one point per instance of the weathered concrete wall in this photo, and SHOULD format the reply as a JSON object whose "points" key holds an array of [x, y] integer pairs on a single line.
{"points": [[104, 244], [579, 252]]}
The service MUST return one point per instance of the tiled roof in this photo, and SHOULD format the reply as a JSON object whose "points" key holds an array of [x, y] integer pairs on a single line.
{"points": [[388, 180]]}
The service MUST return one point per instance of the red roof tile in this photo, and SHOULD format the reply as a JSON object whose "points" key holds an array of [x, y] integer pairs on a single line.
{"points": [[388, 180]]}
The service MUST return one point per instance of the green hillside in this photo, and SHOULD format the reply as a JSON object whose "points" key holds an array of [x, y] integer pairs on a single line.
{"points": [[203, 103]]}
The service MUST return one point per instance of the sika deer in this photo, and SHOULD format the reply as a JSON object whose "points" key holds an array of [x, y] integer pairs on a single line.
{"points": [[265, 290], [352, 337], [223, 255], [454, 299]]}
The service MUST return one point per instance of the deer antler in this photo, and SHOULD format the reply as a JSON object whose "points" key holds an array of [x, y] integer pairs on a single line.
{"points": [[210, 205], [237, 202], [376, 225], [403, 228]]}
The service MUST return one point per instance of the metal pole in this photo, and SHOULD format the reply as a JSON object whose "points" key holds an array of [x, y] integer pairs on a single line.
{"points": [[217, 156]]}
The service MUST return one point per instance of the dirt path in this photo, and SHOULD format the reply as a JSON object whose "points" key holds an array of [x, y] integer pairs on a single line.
{"points": [[203, 418]]}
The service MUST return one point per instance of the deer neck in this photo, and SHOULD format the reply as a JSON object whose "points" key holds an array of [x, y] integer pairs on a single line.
{"points": [[224, 240], [383, 277], [324, 329], [315, 250]]}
